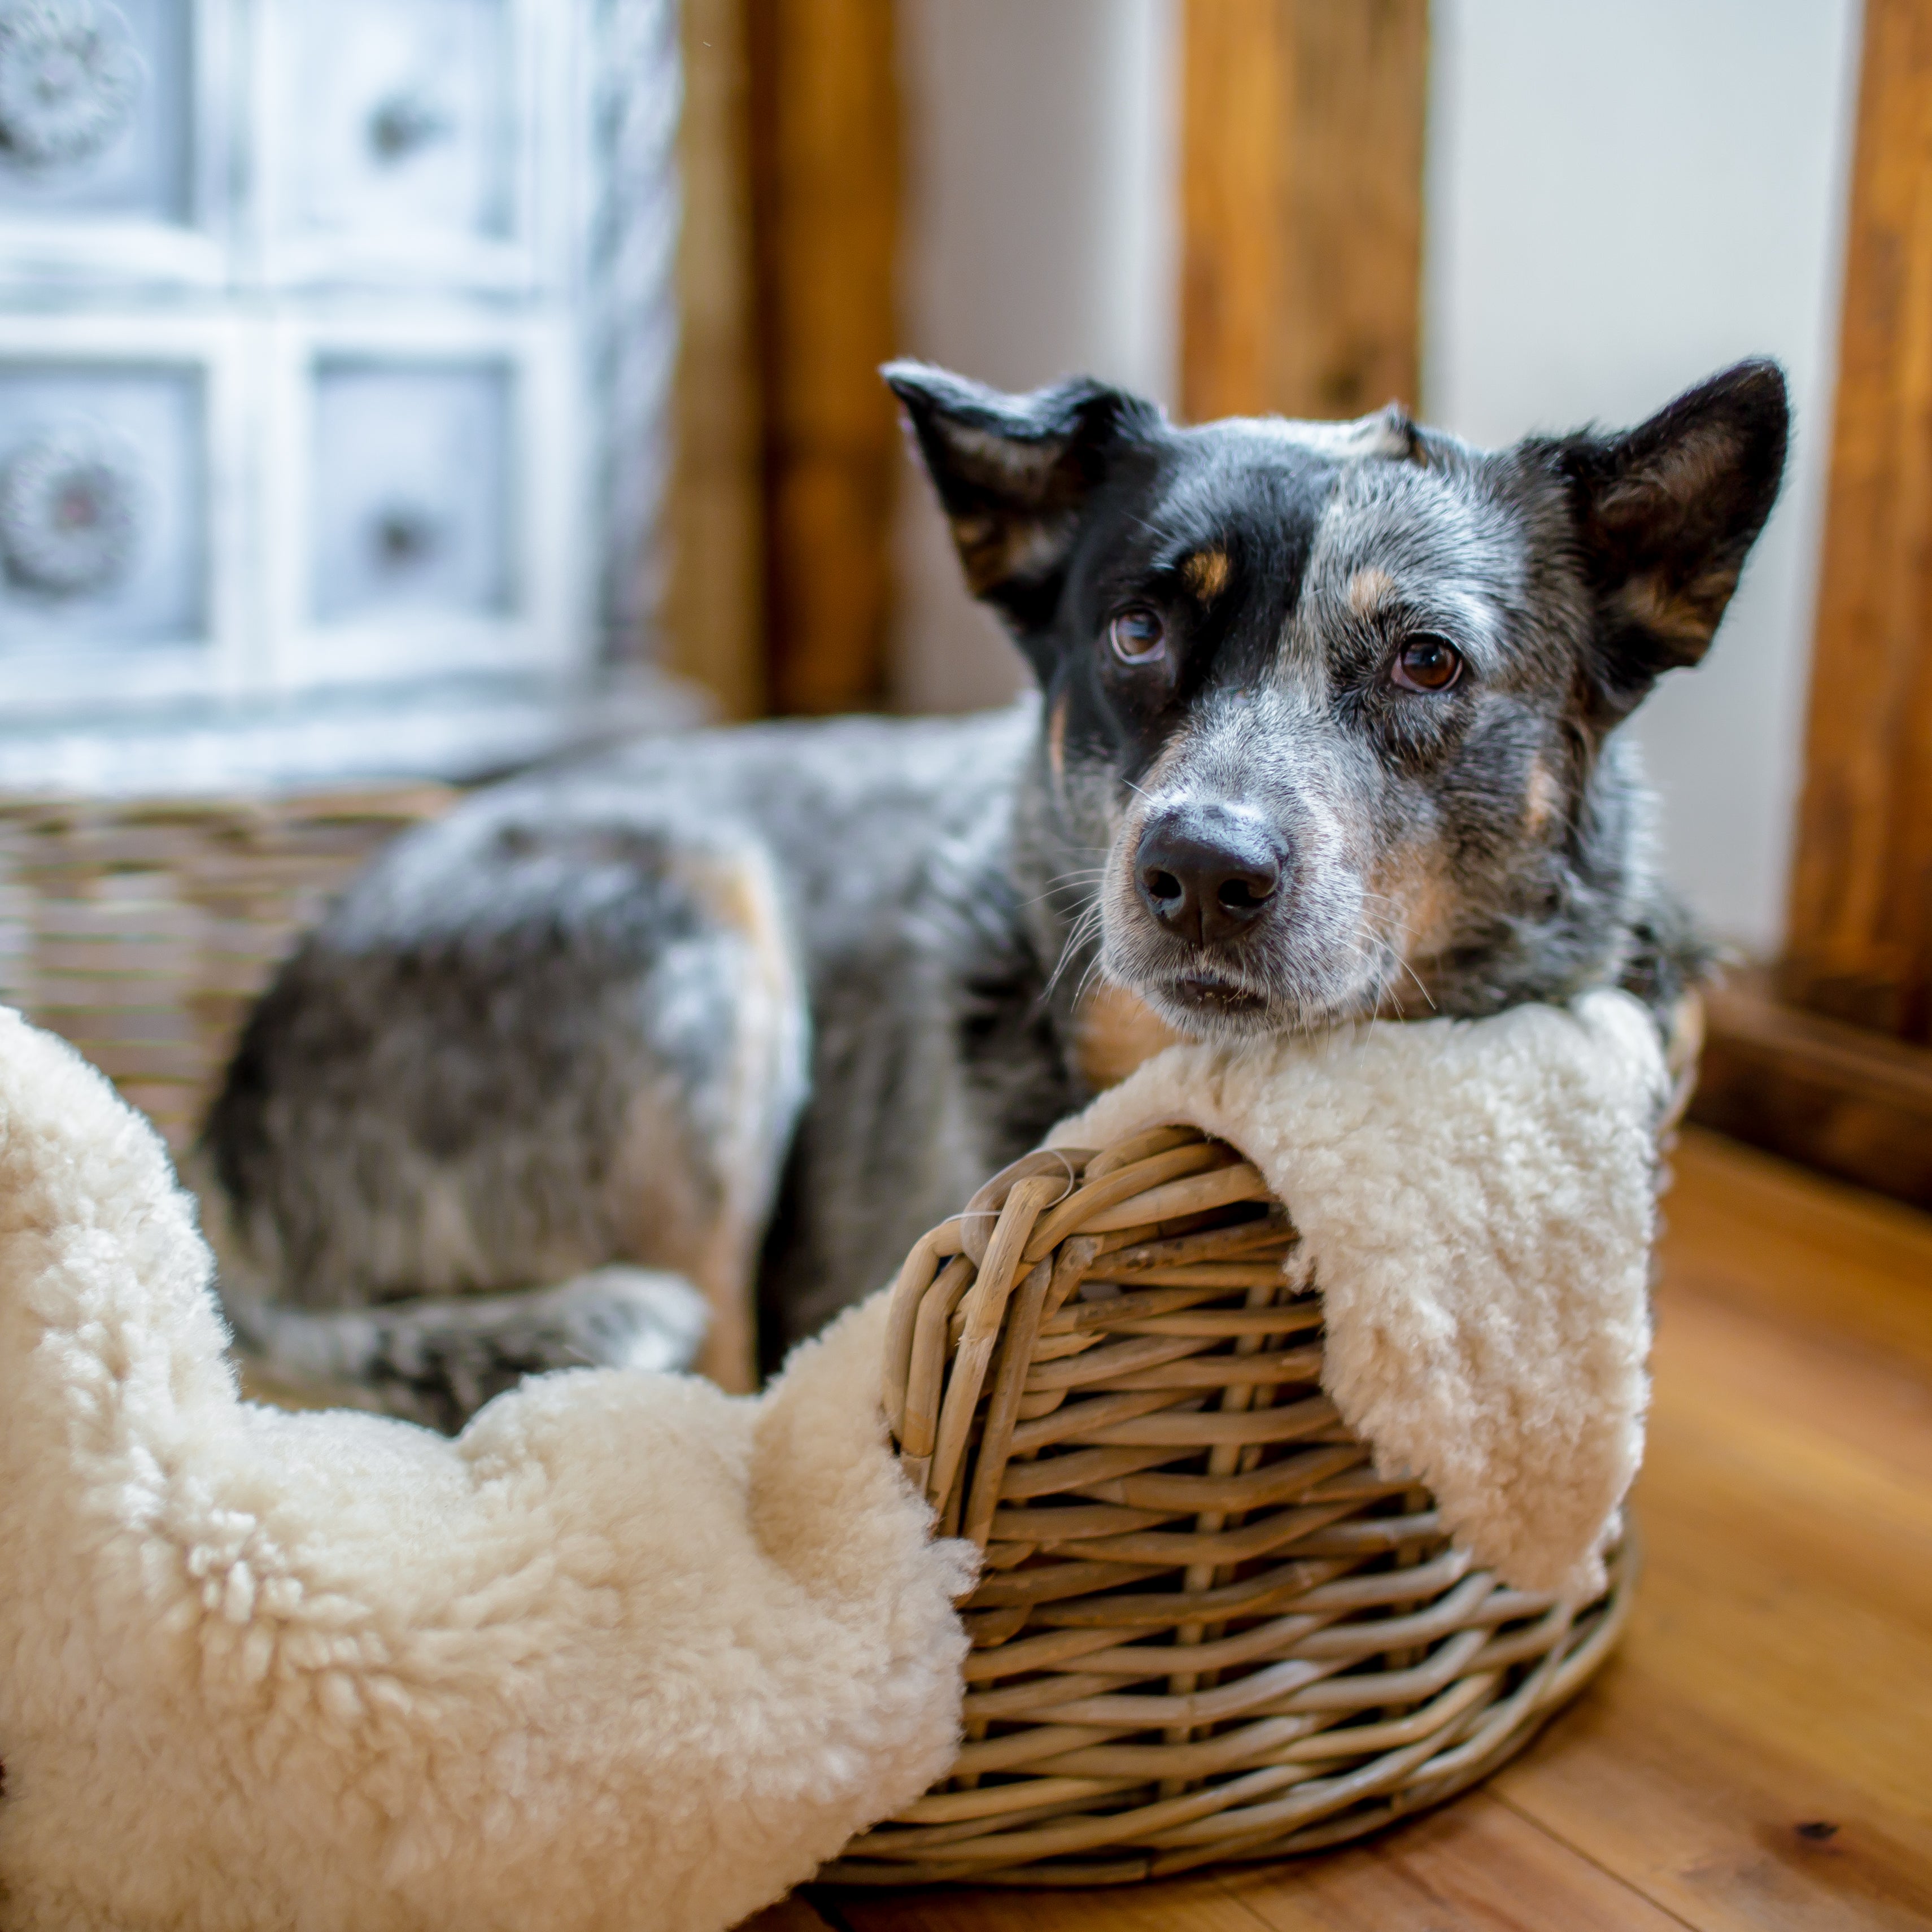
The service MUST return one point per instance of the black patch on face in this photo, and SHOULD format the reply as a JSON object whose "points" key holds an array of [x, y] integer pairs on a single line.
{"points": [[1215, 491]]}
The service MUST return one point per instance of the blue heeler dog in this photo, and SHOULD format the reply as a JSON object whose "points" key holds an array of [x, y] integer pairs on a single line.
{"points": [[1326, 729]]}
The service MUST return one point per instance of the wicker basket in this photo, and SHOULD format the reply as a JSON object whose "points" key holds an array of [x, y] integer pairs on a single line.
{"points": [[1100, 1372], [142, 930], [1205, 1631]]}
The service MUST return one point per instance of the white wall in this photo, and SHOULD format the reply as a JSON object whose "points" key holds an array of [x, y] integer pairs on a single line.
{"points": [[1040, 242], [1622, 199]]}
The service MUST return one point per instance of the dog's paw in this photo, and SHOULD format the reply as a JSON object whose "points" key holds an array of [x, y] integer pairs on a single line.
{"points": [[438, 1362]]}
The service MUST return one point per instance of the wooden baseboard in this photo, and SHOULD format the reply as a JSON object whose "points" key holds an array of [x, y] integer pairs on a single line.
{"points": [[1850, 1102]]}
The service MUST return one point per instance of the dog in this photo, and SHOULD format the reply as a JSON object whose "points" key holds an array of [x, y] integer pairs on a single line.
{"points": [[1327, 730]]}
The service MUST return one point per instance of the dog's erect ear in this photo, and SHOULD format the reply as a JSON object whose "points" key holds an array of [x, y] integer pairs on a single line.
{"points": [[1013, 474], [1665, 513]]}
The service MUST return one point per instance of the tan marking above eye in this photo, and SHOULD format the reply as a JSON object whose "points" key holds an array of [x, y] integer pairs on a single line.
{"points": [[1206, 573], [1367, 589]]}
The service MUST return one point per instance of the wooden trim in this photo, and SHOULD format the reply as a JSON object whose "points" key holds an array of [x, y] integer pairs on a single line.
{"points": [[825, 199], [713, 615], [1302, 127], [1843, 1098], [1861, 914], [1825, 1061]]}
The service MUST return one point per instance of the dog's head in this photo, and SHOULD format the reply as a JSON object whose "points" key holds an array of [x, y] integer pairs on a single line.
{"points": [[1327, 707]]}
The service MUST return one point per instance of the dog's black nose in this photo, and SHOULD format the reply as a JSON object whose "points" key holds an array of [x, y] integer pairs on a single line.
{"points": [[1206, 872]]}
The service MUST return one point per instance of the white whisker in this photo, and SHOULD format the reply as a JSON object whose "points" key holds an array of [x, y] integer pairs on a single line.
{"points": [[1084, 929]]}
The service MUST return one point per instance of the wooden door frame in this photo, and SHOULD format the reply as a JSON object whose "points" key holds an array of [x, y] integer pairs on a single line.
{"points": [[780, 579], [1302, 218], [1825, 1059], [1301, 159]]}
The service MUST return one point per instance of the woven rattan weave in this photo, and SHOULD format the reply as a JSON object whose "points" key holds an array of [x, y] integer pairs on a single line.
{"points": [[1206, 1630], [141, 929]]}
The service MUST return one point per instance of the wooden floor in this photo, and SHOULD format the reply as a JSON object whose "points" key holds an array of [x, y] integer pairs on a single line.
{"points": [[1759, 1755]]}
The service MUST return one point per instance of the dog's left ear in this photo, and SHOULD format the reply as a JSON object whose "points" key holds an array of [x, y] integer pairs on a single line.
{"points": [[1014, 474], [1665, 514]]}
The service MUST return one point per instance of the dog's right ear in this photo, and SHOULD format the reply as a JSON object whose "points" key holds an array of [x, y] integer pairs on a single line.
{"points": [[1013, 475], [1665, 514]]}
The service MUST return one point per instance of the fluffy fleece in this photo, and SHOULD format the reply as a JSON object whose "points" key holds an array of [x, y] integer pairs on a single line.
{"points": [[631, 1653], [628, 1653], [1476, 1200]]}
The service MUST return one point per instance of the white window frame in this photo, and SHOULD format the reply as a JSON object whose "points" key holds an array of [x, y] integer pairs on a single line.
{"points": [[534, 254], [49, 256], [222, 291], [220, 660], [547, 633]]}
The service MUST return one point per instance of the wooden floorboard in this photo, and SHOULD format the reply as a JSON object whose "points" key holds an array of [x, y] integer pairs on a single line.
{"points": [[1475, 1864], [1759, 1755], [1180, 1905]]}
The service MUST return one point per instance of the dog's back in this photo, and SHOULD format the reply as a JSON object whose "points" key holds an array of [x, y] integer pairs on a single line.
{"points": [[578, 1019]]}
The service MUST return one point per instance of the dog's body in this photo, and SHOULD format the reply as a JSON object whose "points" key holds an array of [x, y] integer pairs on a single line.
{"points": [[579, 1019], [1326, 731]]}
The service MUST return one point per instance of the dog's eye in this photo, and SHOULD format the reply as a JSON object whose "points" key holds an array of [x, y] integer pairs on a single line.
{"points": [[1137, 635], [1426, 662]]}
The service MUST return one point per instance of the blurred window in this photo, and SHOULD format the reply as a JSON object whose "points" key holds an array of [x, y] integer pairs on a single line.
{"points": [[334, 339]]}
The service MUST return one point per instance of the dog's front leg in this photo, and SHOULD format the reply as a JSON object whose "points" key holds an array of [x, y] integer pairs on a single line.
{"points": [[693, 1177]]}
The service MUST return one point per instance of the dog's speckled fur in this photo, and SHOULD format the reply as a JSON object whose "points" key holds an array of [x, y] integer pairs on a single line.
{"points": [[808, 984]]}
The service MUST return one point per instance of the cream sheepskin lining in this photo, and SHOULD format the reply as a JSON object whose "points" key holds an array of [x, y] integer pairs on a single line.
{"points": [[628, 1653], [1476, 1200]]}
